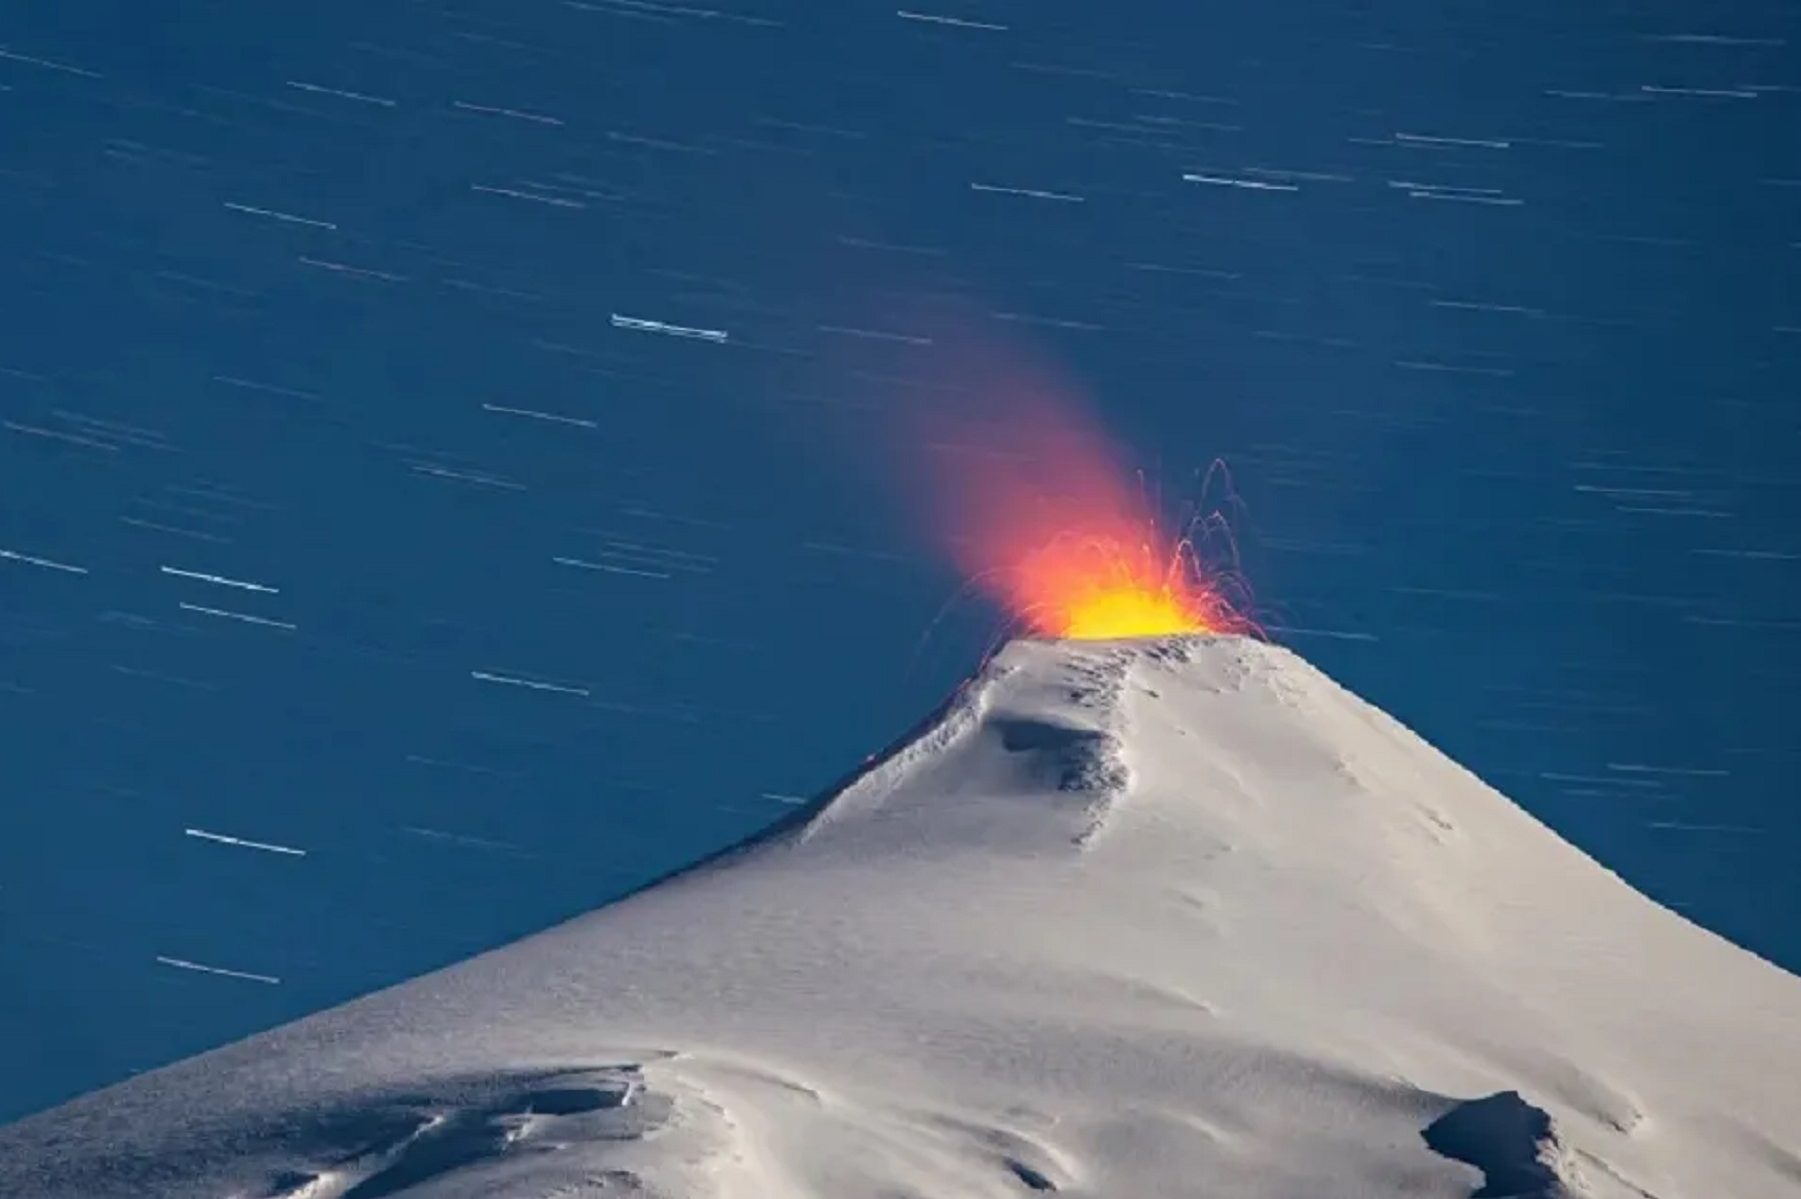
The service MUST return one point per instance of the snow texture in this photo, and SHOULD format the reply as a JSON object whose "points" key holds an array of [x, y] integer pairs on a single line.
{"points": [[1167, 918]]}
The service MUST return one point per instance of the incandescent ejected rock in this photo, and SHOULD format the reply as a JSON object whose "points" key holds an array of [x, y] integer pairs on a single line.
{"points": [[1173, 917]]}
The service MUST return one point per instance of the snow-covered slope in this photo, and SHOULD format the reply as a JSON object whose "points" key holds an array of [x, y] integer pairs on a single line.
{"points": [[1133, 920]]}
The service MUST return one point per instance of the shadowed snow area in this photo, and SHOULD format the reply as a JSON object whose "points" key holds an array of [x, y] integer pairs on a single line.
{"points": [[1157, 918]]}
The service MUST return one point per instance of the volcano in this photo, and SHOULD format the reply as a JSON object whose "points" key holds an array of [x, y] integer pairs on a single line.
{"points": [[1125, 919]]}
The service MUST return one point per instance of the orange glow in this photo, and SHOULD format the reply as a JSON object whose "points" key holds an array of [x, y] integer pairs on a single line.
{"points": [[1038, 512], [1094, 587]]}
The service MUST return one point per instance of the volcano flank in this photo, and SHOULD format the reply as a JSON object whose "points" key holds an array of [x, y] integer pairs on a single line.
{"points": [[1161, 917]]}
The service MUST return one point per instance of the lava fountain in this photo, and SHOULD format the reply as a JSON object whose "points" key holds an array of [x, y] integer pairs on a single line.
{"points": [[1038, 510]]}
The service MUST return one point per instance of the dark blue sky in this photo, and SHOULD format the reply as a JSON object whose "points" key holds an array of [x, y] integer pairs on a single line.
{"points": [[1490, 309]]}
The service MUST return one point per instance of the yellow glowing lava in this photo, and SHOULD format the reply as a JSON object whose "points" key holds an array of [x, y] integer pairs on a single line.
{"points": [[1111, 584], [1126, 613]]}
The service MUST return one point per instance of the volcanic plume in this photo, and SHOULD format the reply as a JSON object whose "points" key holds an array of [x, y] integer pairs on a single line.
{"points": [[1038, 510]]}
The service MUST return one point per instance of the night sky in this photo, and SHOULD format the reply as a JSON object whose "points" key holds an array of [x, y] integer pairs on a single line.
{"points": [[451, 446]]}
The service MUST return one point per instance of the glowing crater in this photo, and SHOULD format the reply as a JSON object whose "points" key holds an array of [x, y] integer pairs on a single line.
{"points": [[1098, 587]]}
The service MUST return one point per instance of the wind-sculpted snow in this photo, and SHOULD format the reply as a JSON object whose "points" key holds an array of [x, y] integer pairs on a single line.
{"points": [[1162, 918], [518, 1128]]}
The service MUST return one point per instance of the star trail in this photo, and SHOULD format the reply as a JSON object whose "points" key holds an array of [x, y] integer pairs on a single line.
{"points": [[441, 443]]}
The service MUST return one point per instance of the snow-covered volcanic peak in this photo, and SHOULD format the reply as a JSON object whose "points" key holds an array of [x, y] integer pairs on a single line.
{"points": [[1176, 917]]}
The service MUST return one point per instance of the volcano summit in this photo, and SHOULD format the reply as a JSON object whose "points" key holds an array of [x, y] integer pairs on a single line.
{"points": [[1132, 919]]}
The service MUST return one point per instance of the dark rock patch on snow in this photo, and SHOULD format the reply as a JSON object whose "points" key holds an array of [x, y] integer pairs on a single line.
{"points": [[570, 1101], [289, 1182], [1032, 1178], [1068, 757], [1512, 1142]]}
